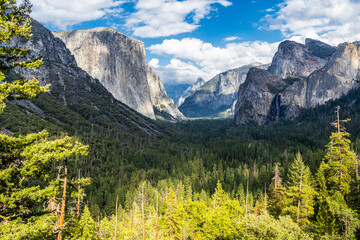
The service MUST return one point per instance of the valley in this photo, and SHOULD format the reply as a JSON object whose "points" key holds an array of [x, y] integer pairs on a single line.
{"points": [[98, 149]]}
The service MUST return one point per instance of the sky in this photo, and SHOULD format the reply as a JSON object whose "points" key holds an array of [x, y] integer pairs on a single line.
{"points": [[188, 39]]}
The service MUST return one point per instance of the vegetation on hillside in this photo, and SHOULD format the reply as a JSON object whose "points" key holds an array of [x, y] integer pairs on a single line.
{"points": [[29, 206]]}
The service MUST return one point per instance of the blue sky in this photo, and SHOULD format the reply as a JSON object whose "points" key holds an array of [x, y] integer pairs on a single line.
{"points": [[187, 39]]}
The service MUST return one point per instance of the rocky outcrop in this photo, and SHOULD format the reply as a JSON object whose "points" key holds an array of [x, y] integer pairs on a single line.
{"points": [[196, 85], [159, 98], [76, 89], [337, 77], [299, 60], [255, 96], [305, 76], [217, 97]]}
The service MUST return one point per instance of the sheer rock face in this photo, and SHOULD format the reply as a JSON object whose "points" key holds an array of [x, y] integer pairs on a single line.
{"points": [[303, 76], [218, 96], [75, 88], [338, 76], [295, 59], [116, 60], [255, 97], [159, 97]]}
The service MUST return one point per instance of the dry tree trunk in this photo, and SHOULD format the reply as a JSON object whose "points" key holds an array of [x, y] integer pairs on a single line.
{"points": [[63, 205]]}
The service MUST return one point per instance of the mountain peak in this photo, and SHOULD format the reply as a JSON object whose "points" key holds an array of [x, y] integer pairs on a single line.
{"points": [[300, 76], [295, 59]]}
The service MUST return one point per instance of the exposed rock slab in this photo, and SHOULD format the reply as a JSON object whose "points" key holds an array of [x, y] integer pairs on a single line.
{"points": [[116, 60], [299, 60], [255, 97]]}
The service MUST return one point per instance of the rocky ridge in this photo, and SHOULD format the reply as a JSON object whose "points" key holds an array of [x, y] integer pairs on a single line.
{"points": [[119, 62], [196, 85], [300, 76], [159, 97]]}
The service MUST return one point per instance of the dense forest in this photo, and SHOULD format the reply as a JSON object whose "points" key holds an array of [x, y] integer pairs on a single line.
{"points": [[201, 179]]}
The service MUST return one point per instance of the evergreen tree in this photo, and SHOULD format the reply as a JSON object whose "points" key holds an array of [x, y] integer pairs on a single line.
{"points": [[86, 225], [341, 160], [174, 214], [15, 23], [25, 160], [325, 218], [276, 194], [225, 215], [334, 178], [299, 192]]}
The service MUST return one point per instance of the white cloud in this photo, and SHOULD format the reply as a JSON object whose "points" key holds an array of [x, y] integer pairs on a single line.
{"points": [[178, 71], [205, 60], [65, 13], [154, 63], [332, 21], [160, 18], [269, 10], [230, 39]]}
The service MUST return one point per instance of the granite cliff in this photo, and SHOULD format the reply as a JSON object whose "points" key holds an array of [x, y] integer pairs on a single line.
{"points": [[119, 62], [300, 76], [160, 100], [74, 89], [217, 97]]}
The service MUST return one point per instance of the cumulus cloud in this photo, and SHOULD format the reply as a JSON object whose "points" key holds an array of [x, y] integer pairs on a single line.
{"points": [[332, 21], [65, 13], [178, 71], [154, 63], [160, 18], [205, 60]]}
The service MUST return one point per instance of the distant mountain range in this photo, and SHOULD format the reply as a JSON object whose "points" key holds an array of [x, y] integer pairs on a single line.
{"points": [[101, 72], [175, 91], [300, 76], [216, 97]]}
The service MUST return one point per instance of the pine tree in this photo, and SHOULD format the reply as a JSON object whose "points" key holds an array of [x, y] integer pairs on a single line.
{"points": [[334, 178], [172, 221], [276, 193], [15, 23], [299, 192], [325, 218], [87, 226], [225, 215], [25, 160], [341, 160]]}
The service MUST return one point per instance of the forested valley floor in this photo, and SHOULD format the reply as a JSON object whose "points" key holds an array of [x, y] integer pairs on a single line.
{"points": [[209, 179]]}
